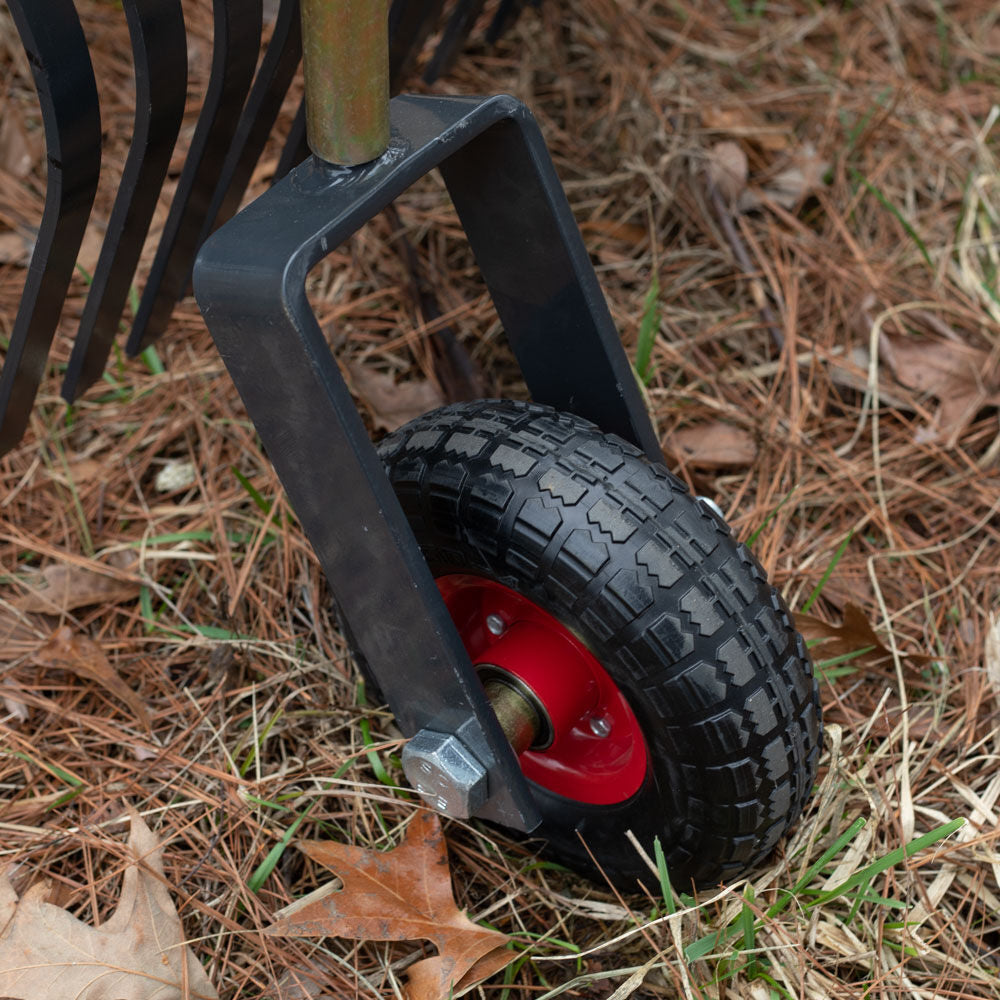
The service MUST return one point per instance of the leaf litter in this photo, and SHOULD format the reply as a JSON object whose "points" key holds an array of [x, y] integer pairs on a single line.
{"points": [[963, 379], [244, 726], [67, 585], [81, 655], [403, 894], [138, 953]]}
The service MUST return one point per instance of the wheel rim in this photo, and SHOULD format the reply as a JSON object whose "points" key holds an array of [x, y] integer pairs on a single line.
{"points": [[590, 747]]}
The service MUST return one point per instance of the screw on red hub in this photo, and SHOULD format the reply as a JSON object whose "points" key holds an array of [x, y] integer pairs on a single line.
{"points": [[589, 746]]}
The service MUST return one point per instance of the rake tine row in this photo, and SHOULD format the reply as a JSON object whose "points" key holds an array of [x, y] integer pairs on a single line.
{"points": [[237, 116], [64, 79], [237, 30], [159, 49], [277, 69]]}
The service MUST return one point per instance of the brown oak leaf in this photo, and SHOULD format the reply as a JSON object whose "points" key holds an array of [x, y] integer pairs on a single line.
{"points": [[138, 953], [854, 638], [962, 378], [63, 586], [399, 895], [392, 404], [79, 654], [713, 445]]}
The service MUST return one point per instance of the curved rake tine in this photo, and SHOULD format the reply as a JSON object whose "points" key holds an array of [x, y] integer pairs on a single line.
{"points": [[296, 149], [64, 78], [235, 47], [410, 22], [159, 48], [506, 17], [284, 51], [461, 22]]}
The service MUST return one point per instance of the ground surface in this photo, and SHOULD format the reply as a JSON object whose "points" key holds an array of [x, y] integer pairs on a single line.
{"points": [[813, 190]]}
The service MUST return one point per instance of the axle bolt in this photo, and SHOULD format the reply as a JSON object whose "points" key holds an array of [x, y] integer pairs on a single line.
{"points": [[445, 773], [712, 506], [600, 725], [495, 625]]}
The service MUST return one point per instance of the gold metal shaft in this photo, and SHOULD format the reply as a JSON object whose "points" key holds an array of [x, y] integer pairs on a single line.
{"points": [[345, 59]]}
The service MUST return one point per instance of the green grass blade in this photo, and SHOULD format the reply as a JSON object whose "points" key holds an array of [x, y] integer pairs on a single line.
{"points": [[373, 758], [818, 589], [661, 866], [263, 871], [261, 738], [648, 328], [152, 361], [767, 520], [747, 920], [828, 855], [896, 213], [890, 860], [263, 505]]}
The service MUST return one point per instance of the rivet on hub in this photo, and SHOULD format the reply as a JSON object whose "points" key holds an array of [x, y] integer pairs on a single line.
{"points": [[600, 725]]}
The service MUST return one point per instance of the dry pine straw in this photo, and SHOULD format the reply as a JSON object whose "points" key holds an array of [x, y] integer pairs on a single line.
{"points": [[893, 241]]}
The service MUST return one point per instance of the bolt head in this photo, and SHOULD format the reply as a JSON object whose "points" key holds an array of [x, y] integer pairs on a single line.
{"points": [[445, 773], [495, 625]]}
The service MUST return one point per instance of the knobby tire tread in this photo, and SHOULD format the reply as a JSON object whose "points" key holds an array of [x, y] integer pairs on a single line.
{"points": [[679, 613]]}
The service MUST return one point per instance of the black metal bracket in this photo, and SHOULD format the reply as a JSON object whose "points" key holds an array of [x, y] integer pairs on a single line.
{"points": [[250, 279]]}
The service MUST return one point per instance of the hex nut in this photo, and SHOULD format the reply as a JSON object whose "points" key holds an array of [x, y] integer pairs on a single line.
{"points": [[445, 773]]}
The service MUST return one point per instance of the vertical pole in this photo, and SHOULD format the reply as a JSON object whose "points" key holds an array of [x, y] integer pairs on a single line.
{"points": [[345, 57]]}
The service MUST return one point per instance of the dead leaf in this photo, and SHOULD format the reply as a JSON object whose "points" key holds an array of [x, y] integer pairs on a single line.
{"points": [[960, 377], [138, 953], [19, 633], [741, 120], [727, 170], [80, 655], [391, 404], [627, 232], [14, 249], [62, 587], [19, 149], [991, 655], [715, 445], [16, 709], [399, 895], [854, 638], [804, 175]]}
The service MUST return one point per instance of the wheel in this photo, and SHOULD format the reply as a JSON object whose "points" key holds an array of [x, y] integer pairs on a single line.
{"points": [[673, 697]]}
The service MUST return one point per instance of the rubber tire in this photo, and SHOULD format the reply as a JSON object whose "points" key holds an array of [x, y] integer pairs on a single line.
{"points": [[679, 614]]}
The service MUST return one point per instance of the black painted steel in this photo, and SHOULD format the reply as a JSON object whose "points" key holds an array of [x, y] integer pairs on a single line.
{"points": [[236, 42], [270, 85], [160, 56], [250, 283], [295, 149], [64, 78], [410, 22], [463, 17]]}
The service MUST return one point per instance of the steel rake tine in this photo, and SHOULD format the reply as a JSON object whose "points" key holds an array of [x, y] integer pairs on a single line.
{"points": [[461, 22], [234, 57], [156, 28], [410, 22], [277, 69], [64, 78]]}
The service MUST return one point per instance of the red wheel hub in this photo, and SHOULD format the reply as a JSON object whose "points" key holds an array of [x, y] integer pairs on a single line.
{"points": [[591, 747]]}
